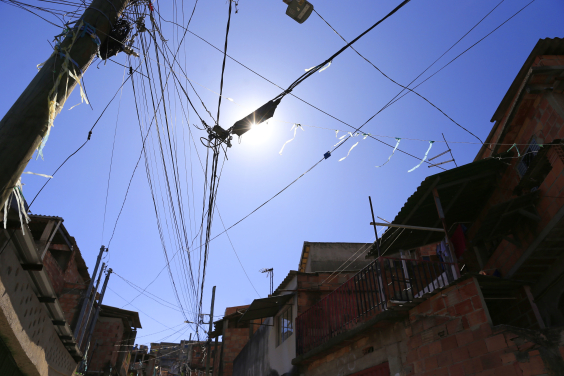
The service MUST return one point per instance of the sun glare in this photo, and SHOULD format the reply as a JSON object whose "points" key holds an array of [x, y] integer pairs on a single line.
{"points": [[258, 134]]}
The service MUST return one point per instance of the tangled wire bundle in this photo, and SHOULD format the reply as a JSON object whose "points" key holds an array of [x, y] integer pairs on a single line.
{"points": [[116, 40]]}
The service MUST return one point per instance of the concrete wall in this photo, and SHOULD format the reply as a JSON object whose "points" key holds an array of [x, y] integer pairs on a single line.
{"points": [[25, 325], [262, 357], [331, 256]]}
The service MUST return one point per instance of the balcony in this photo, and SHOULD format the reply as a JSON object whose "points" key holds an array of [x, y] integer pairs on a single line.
{"points": [[387, 282]]}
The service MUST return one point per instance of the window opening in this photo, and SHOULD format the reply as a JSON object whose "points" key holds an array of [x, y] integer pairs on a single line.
{"points": [[528, 155], [285, 326]]}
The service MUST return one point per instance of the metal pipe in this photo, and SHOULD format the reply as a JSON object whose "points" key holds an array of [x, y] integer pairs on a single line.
{"points": [[91, 304], [408, 227], [374, 224], [95, 319], [87, 296]]}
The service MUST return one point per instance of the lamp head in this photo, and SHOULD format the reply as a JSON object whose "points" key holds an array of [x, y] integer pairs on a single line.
{"points": [[265, 112], [299, 10]]}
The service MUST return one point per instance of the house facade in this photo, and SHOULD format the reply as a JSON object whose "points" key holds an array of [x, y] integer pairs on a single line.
{"points": [[492, 304], [467, 280], [46, 316], [268, 324]]}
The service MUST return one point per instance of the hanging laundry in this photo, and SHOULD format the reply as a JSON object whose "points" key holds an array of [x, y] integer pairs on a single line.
{"points": [[393, 151], [458, 241], [424, 157], [294, 128], [443, 252]]}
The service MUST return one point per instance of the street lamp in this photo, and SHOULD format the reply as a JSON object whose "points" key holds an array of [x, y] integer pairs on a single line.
{"points": [[265, 112], [298, 10]]}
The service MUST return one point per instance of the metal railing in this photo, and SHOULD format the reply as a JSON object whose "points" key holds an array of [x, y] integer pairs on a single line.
{"points": [[386, 280]]}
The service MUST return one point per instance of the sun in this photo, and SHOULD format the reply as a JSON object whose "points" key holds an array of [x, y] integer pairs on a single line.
{"points": [[258, 134]]}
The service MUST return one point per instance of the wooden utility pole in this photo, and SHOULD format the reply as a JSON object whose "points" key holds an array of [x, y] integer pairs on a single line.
{"points": [[27, 122]]}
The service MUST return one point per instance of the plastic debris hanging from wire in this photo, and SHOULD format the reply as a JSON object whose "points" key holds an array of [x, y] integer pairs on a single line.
{"points": [[516, 148], [295, 129], [424, 157], [33, 173], [352, 147], [81, 29], [322, 69], [18, 194], [393, 151]]}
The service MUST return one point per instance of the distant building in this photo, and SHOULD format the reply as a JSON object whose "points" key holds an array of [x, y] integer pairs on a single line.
{"points": [[112, 342], [251, 342]]}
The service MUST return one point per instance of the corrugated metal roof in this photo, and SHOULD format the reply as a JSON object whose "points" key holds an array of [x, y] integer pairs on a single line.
{"points": [[132, 316], [463, 191], [267, 307]]}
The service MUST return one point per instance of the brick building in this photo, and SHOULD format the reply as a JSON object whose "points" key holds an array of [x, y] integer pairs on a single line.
{"points": [[466, 281], [35, 335], [246, 330], [63, 263], [112, 341], [235, 335], [47, 277], [493, 304]]}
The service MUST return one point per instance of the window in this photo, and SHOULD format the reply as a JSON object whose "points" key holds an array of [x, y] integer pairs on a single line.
{"points": [[528, 156], [285, 326]]}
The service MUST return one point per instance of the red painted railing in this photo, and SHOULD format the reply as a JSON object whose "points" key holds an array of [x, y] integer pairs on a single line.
{"points": [[386, 280]]}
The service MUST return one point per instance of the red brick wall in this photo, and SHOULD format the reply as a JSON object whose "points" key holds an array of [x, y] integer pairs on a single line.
{"points": [[451, 334], [71, 301], [107, 334], [313, 287], [235, 339], [507, 254], [54, 272], [534, 117], [68, 284]]}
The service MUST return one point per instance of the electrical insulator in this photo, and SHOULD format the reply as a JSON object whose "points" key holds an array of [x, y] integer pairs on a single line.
{"points": [[299, 10]]}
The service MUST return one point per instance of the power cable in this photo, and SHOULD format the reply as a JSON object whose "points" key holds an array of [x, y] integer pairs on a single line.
{"points": [[81, 146], [111, 162], [397, 83], [224, 58]]}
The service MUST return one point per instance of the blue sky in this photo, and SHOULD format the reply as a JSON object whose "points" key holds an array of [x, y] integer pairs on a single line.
{"points": [[330, 203]]}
